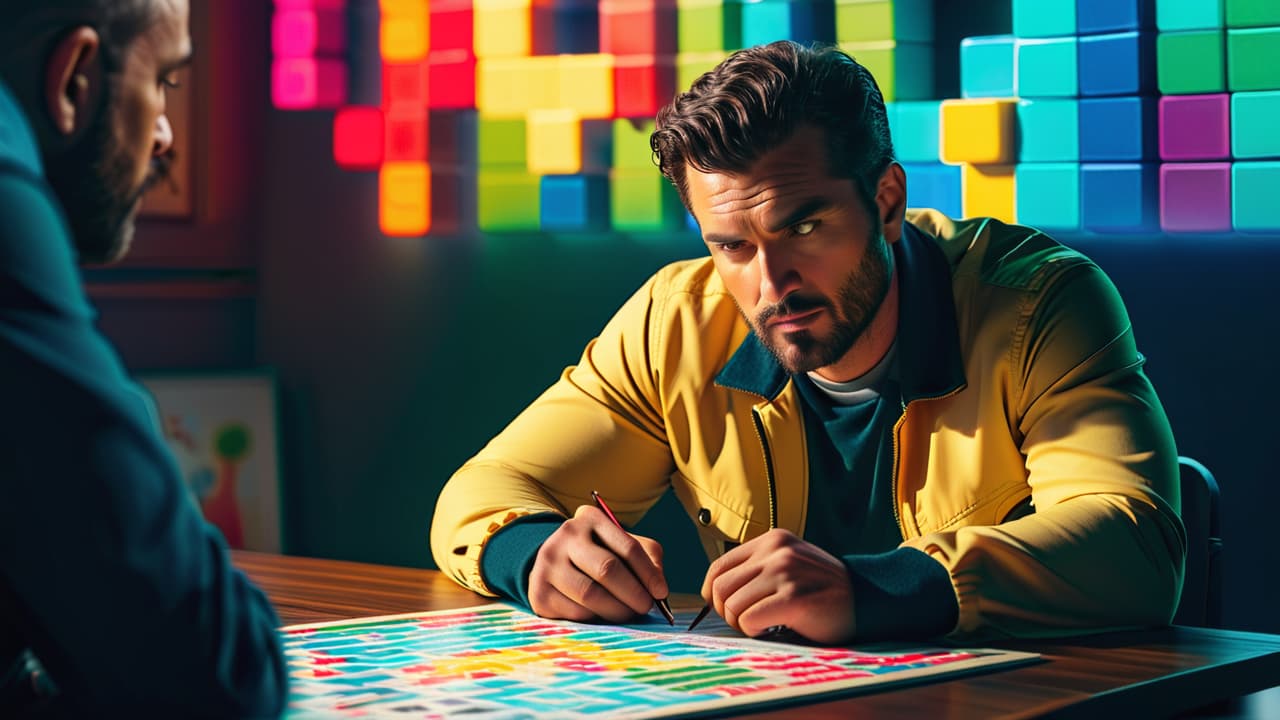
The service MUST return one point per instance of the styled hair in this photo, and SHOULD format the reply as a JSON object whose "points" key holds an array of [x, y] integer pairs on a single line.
{"points": [[758, 97]]}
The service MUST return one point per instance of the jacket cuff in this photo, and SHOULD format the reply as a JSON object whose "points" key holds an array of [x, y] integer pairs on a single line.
{"points": [[508, 555], [903, 594]]}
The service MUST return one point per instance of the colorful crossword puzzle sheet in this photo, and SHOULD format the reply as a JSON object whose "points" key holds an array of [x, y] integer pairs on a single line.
{"points": [[496, 662]]}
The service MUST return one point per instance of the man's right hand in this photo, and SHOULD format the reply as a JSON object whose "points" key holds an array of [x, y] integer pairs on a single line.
{"points": [[592, 569]]}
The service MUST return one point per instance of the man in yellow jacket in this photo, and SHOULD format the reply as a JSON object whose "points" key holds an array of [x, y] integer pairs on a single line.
{"points": [[886, 425]]}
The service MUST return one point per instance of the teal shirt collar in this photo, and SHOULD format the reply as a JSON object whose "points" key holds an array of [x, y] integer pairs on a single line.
{"points": [[928, 341], [17, 141]]}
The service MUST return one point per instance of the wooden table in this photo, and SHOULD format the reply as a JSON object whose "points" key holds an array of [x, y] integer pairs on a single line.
{"points": [[1150, 673]]}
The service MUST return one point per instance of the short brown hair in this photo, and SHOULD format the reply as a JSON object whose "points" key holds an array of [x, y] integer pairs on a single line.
{"points": [[757, 98]]}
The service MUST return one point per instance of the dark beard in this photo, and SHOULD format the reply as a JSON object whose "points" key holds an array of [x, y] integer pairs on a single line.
{"points": [[859, 298], [92, 179]]}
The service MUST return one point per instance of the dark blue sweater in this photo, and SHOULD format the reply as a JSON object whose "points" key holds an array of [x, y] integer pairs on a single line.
{"points": [[109, 577]]}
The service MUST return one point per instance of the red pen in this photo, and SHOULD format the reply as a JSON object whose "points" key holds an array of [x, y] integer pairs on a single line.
{"points": [[663, 607]]}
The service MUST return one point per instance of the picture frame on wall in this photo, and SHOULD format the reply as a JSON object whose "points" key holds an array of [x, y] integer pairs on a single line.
{"points": [[223, 431]]}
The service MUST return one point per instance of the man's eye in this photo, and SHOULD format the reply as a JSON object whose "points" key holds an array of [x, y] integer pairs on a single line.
{"points": [[171, 81], [804, 228], [731, 247]]}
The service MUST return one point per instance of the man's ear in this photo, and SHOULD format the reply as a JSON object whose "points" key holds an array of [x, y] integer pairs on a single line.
{"points": [[891, 200], [73, 80]]}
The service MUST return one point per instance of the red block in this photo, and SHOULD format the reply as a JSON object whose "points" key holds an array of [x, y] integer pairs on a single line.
{"points": [[405, 85], [642, 84], [452, 80], [638, 27], [358, 142], [406, 135], [452, 23]]}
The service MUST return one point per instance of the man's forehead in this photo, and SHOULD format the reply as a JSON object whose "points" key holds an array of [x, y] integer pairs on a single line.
{"points": [[168, 38]]}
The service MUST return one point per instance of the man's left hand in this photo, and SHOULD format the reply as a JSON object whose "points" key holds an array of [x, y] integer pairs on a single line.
{"points": [[779, 579]]}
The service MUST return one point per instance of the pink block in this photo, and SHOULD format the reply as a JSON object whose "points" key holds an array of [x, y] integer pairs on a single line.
{"points": [[304, 33], [305, 83], [1195, 127], [1195, 197], [311, 4]]}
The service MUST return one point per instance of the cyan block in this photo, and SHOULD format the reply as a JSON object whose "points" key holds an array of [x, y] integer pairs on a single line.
{"points": [[1195, 127], [574, 202], [987, 66], [872, 20], [1044, 18], [1253, 59], [1046, 67], [1252, 13], [914, 128], [1174, 15], [1117, 64], [1253, 125], [934, 185], [1253, 196], [1117, 129], [805, 21], [1049, 130], [1049, 195], [1191, 61], [1109, 16], [1119, 197], [1195, 197]]}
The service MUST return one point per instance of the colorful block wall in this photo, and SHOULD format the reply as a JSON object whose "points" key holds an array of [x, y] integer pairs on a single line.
{"points": [[1098, 116]]}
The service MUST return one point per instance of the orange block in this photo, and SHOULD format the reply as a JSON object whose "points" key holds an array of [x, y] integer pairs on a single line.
{"points": [[404, 199]]}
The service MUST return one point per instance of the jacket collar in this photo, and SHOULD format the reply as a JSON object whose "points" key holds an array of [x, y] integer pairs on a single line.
{"points": [[928, 342]]}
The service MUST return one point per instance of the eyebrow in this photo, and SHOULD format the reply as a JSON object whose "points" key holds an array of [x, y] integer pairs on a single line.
{"points": [[802, 211], [178, 64]]}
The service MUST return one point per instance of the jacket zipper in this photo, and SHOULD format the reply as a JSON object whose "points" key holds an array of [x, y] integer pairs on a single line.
{"points": [[768, 469], [897, 431]]}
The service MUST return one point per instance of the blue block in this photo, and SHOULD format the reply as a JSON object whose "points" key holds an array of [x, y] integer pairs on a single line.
{"points": [[1046, 67], [1048, 195], [934, 185], [1049, 130], [1175, 15], [566, 27], [1108, 16], [914, 128], [805, 21], [1253, 196], [1120, 197], [987, 66], [574, 202], [1118, 129], [1044, 18], [1118, 64]]}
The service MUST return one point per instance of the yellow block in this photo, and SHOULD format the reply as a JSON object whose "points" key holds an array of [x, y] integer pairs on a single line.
{"points": [[502, 28], [404, 199], [554, 142], [988, 191], [404, 35], [509, 87], [586, 85], [978, 131]]}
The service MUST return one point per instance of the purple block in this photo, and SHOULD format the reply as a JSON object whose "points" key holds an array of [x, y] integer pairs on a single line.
{"points": [[1195, 197], [1195, 127]]}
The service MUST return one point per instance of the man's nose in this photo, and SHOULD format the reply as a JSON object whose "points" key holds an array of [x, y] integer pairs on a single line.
{"points": [[163, 138]]}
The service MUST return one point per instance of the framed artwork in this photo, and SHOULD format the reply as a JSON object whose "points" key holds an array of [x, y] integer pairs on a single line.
{"points": [[222, 430]]}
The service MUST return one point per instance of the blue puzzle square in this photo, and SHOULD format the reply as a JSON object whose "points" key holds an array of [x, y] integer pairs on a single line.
{"points": [[1120, 197], [1049, 130], [914, 128], [1118, 129], [987, 66], [1048, 195], [1107, 16], [574, 202], [1046, 67], [934, 185], [1117, 64]]}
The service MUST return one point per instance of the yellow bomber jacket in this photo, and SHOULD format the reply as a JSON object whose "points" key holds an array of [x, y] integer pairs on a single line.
{"points": [[1021, 382]]}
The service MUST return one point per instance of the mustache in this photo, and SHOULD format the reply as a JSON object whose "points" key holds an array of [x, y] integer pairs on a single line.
{"points": [[161, 173], [791, 305]]}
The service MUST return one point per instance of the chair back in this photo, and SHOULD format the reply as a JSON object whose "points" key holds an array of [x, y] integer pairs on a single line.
{"points": [[1201, 601]]}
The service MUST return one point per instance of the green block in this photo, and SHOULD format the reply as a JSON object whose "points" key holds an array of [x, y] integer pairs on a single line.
{"points": [[1190, 62], [508, 201], [1252, 13], [643, 201], [691, 65], [500, 142], [904, 71], [1253, 122], [1253, 59], [631, 148], [708, 25], [877, 20], [1174, 15]]}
